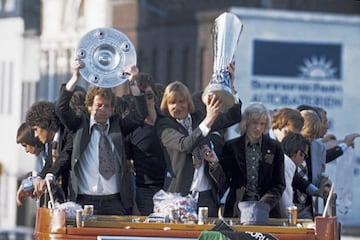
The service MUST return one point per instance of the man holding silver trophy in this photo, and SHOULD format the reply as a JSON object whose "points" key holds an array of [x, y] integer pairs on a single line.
{"points": [[99, 169], [186, 134]]}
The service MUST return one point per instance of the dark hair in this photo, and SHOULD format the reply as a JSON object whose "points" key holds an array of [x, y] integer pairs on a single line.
{"points": [[77, 101], [159, 92], [25, 134], [144, 80], [294, 142], [122, 105], [305, 107], [42, 114]]}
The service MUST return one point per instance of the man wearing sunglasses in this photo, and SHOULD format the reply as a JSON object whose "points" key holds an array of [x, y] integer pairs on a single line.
{"points": [[295, 148], [144, 149]]}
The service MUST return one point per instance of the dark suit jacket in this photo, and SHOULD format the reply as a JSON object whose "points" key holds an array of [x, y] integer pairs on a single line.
{"points": [[61, 166], [315, 163], [333, 153], [79, 125], [178, 146], [271, 181]]}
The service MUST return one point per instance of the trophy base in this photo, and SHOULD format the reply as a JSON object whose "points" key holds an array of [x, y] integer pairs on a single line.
{"points": [[223, 92]]}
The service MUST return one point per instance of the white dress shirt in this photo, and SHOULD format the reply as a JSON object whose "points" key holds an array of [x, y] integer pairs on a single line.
{"points": [[288, 194], [90, 181]]}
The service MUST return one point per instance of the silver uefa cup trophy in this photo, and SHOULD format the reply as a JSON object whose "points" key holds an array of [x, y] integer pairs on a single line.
{"points": [[226, 34], [105, 52]]}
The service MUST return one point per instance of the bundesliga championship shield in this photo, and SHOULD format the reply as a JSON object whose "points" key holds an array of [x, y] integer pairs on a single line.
{"points": [[225, 34], [105, 52]]}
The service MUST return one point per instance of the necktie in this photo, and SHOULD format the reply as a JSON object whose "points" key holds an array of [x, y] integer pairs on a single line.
{"points": [[187, 124], [196, 153], [253, 158], [54, 146], [197, 159], [54, 150], [302, 170], [106, 158]]}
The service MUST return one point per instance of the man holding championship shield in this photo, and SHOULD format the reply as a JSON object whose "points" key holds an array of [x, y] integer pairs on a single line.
{"points": [[99, 169]]}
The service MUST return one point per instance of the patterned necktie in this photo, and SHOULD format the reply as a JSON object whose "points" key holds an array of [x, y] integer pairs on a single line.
{"points": [[54, 150], [302, 170], [196, 153], [253, 158], [197, 159], [106, 158]]}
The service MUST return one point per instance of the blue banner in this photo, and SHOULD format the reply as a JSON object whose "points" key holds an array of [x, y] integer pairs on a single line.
{"points": [[297, 59]]}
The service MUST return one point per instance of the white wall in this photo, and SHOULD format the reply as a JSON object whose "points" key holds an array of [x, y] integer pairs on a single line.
{"points": [[12, 44]]}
